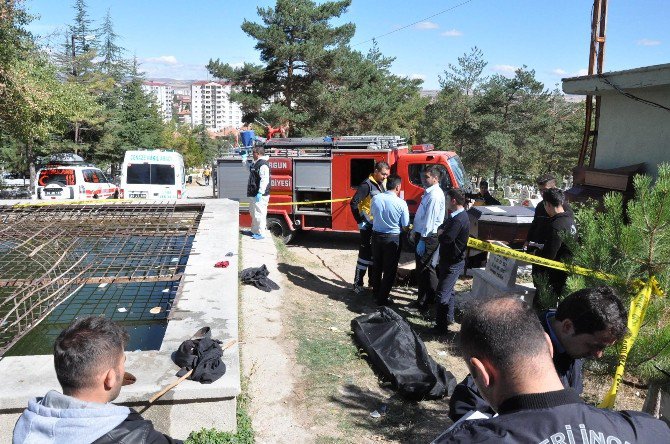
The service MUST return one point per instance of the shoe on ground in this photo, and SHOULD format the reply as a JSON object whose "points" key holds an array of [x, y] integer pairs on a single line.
{"points": [[359, 290], [258, 236]]}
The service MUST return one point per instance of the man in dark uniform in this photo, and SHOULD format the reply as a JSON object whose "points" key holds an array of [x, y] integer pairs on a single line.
{"points": [[484, 195], [584, 324], [537, 234], [360, 208], [509, 355], [453, 236], [559, 225]]}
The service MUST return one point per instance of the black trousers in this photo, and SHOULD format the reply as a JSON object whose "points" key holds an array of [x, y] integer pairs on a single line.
{"points": [[364, 256], [385, 256], [426, 274]]}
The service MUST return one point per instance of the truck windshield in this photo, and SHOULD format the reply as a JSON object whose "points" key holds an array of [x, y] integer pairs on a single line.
{"points": [[150, 174], [458, 170]]}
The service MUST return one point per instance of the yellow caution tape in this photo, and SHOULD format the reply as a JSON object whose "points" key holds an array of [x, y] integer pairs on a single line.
{"points": [[638, 309], [536, 260], [307, 202]]}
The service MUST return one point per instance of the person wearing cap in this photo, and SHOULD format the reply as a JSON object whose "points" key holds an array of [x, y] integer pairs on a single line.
{"points": [[539, 227]]}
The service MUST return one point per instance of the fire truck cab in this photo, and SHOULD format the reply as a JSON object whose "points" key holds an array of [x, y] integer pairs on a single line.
{"points": [[304, 170]]}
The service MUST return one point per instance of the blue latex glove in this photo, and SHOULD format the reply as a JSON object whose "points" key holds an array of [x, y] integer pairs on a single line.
{"points": [[362, 225], [258, 197], [421, 248]]}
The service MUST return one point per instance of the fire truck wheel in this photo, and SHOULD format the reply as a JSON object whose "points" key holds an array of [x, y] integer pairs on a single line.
{"points": [[278, 227]]}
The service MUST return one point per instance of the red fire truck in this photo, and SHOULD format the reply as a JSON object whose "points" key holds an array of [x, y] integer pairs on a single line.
{"points": [[306, 170]]}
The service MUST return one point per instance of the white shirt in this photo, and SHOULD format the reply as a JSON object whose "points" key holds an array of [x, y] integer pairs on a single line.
{"points": [[430, 214]]}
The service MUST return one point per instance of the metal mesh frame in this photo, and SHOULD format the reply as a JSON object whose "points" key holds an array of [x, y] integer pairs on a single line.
{"points": [[48, 252]]}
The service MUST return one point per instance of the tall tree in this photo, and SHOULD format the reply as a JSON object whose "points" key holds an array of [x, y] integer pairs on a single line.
{"points": [[136, 123], [111, 54], [298, 46]]}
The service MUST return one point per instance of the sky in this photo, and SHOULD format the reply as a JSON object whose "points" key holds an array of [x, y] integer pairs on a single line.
{"points": [[176, 39]]}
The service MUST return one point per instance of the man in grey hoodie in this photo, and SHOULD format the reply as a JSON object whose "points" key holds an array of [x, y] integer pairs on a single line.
{"points": [[90, 366]]}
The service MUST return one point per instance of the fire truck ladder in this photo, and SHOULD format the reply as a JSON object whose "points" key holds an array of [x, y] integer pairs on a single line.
{"points": [[596, 56]]}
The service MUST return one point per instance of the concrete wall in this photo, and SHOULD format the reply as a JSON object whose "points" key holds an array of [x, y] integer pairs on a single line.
{"points": [[631, 132], [209, 298]]}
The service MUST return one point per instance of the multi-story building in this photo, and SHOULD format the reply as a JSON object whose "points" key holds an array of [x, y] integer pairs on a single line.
{"points": [[211, 106], [163, 94]]}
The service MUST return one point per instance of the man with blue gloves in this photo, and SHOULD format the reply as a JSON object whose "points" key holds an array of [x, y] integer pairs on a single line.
{"points": [[258, 188], [427, 220], [360, 208]]}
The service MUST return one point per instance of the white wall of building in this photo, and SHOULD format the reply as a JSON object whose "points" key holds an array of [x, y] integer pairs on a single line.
{"points": [[211, 106], [163, 93]]}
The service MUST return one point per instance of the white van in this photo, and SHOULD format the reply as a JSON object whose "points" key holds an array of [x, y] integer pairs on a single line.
{"points": [[153, 174], [75, 181]]}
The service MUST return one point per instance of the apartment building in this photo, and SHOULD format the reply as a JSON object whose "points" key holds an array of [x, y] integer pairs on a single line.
{"points": [[211, 106], [163, 94]]}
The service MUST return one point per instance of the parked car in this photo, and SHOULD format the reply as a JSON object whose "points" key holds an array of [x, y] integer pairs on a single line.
{"points": [[74, 182]]}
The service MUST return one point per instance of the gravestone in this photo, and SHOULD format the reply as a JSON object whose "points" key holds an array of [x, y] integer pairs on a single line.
{"points": [[499, 278]]}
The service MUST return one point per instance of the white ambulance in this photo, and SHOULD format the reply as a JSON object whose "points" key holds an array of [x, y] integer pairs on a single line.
{"points": [[153, 174], [68, 177]]}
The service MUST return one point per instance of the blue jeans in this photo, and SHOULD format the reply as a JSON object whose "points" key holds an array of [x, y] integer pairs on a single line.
{"points": [[448, 275]]}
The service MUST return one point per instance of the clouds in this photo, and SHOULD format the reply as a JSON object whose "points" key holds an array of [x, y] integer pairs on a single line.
{"points": [[426, 25], [162, 60], [559, 72], [452, 33], [168, 66], [648, 42], [505, 70], [417, 76]]}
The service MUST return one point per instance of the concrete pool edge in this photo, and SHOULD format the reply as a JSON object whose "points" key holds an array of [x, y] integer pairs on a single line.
{"points": [[209, 297]]}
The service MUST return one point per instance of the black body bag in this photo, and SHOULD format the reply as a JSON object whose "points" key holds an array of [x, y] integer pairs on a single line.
{"points": [[399, 354]]}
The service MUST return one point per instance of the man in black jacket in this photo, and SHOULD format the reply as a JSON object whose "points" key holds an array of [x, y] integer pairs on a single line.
{"points": [[581, 327], [539, 230], [453, 237], [509, 356], [90, 366], [561, 224], [360, 206]]}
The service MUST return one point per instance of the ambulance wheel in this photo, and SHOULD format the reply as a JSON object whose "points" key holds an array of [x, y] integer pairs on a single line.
{"points": [[278, 227]]}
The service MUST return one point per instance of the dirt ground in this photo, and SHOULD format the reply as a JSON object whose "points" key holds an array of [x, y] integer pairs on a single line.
{"points": [[334, 389]]}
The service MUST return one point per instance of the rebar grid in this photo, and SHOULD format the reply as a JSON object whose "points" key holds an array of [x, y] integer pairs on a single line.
{"points": [[50, 252]]}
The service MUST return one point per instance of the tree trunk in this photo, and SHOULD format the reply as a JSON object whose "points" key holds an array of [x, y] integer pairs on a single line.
{"points": [[30, 158]]}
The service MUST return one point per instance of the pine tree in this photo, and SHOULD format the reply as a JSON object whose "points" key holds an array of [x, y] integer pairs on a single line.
{"points": [[298, 46], [111, 61], [632, 242]]}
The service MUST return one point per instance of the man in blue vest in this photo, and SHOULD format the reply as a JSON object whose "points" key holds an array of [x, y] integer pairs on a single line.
{"points": [[258, 188]]}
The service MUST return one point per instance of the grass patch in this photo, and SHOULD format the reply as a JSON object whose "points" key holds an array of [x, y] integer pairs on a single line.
{"points": [[245, 432]]}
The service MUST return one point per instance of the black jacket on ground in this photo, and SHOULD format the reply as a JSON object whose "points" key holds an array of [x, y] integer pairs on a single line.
{"points": [[454, 238], [466, 396], [135, 430], [559, 416]]}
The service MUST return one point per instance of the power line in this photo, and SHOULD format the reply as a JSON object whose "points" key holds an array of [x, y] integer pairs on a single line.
{"points": [[631, 96], [250, 76]]}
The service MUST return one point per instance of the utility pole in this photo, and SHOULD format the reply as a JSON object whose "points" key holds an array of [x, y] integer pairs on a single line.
{"points": [[596, 58]]}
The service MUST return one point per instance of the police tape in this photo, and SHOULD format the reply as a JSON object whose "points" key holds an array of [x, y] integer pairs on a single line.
{"points": [[306, 202], [636, 314], [536, 260]]}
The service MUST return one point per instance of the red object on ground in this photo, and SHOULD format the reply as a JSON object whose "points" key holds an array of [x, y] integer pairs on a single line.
{"points": [[221, 264]]}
